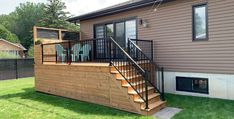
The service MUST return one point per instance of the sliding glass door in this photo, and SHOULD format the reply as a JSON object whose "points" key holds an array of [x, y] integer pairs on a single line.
{"points": [[119, 30]]}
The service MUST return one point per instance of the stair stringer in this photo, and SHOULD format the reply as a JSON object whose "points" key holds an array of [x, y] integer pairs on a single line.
{"points": [[124, 94]]}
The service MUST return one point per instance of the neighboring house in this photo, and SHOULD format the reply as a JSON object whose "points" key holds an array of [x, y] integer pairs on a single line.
{"points": [[13, 49], [193, 41]]}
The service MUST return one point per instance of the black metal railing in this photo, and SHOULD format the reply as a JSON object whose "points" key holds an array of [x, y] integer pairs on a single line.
{"points": [[147, 63], [146, 47], [131, 71], [92, 50], [136, 67]]}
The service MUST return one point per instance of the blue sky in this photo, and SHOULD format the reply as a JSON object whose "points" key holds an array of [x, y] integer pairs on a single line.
{"points": [[75, 7]]}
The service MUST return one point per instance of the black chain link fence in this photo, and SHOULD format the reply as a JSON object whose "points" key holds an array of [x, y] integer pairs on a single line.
{"points": [[16, 68]]}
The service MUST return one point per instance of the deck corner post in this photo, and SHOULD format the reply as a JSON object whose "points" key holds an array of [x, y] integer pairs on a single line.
{"points": [[152, 50], [42, 54], [162, 96], [146, 91], [69, 52], [110, 57]]}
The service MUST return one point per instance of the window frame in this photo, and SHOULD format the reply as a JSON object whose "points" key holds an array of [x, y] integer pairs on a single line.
{"points": [[114, 22], [194, 23], [192, 84]]}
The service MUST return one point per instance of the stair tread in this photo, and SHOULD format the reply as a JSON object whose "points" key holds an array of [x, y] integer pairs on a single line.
{"points": [[122, 78], [117, 72], [133, 84], [134, 92], [154, 105], [127, 64], [151, 96]]}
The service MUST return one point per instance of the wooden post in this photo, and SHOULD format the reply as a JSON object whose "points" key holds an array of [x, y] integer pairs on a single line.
{"points": [[60, 34], [34, 34]]}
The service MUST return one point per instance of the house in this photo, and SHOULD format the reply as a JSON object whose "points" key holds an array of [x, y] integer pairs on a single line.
{"points": [[14, 49], [134, 51]]}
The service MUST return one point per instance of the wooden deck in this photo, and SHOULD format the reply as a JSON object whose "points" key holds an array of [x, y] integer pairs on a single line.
{"points": [[79, 64], [93, 82], [90, 82]]}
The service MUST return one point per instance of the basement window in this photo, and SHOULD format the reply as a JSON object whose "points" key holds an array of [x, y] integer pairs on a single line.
{"points": [[188, 84], [200, 22]]}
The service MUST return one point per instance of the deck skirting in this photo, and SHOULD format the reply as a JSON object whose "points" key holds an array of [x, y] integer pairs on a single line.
{"points": [[88, 83]]}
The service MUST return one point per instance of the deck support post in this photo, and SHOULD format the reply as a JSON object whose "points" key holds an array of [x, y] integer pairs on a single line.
{"points": [[69, 52], [110, 57], [162, 95], [42, 54], [146, 91]]}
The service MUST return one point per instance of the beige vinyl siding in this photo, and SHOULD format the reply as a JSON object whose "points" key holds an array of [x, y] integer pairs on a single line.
{"points": [[171, 29]]}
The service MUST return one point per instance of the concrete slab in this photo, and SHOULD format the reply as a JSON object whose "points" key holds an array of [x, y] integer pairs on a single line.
{"points": [[167, 113]]}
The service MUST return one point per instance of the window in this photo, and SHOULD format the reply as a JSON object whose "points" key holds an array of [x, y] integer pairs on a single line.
{"points": [[200, 22], [199, 85]]}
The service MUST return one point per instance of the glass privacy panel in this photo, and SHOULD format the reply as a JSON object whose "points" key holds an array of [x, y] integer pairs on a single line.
{"points": [[47, 34], [66, 35], [200, 22]]}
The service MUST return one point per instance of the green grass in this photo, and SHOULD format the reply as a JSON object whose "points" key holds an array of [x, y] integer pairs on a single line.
{"points": [[18, 100], [201, 108], [7, 56]]}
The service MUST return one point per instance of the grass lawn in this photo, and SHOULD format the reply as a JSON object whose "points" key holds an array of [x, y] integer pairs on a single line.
{"points": [[201, 108], [18, 100]]}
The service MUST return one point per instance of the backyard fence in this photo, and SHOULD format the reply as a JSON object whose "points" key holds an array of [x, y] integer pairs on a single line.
{"points": [[16, 68]]}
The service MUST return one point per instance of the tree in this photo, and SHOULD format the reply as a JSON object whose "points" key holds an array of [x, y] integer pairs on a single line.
{"points": [[56, 17], [8, 20], [199, 25], [7, 35], [27, 15], [31, 52]]}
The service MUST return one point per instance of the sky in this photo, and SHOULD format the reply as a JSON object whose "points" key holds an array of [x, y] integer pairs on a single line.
{"points": [[75, 7]]}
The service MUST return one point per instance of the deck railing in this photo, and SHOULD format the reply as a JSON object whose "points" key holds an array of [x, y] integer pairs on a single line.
{"points": [[147, 63], [146, 47], [131, 71], [136, 67], [92, 50]]}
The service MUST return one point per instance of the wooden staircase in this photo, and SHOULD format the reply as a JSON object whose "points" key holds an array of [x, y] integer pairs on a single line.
{"points": [[154, 102]]}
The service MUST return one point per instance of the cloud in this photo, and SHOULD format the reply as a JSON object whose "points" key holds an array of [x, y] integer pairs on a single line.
{"points": [[78, 7], [75, 7]]}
